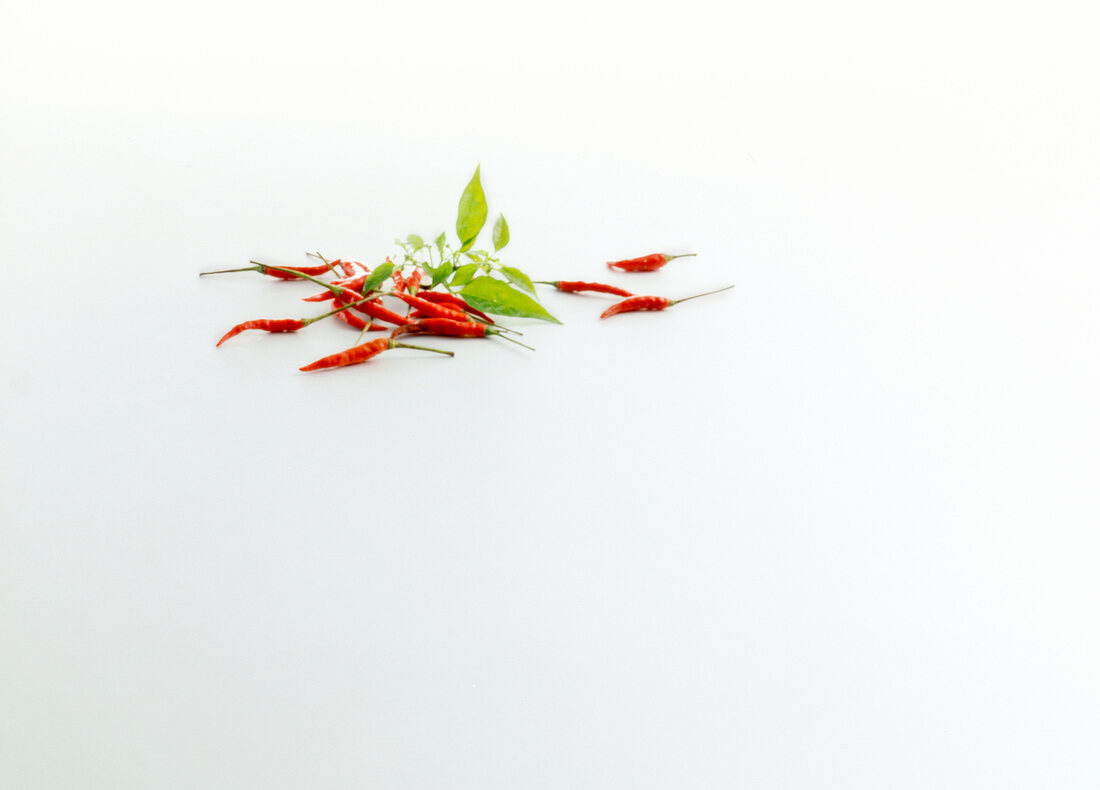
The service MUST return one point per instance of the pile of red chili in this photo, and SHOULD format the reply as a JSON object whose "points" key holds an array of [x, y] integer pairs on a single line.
{"points": [[358, 298]]}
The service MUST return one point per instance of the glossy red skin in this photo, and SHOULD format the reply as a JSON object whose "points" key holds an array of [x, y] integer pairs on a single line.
{"points": [[266, 324], [647, 263], [431, 308], [637, 303], [372, 309], [355, 283], [356, 322], [576, 286], [313, 271], [352, 356], [442, 326], [442, 297]]}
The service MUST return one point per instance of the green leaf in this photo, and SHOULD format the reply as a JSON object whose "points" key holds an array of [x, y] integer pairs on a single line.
{"points": [[464, 274], [441, 273], [499, 298], [516, 277], [440, 240], [377, 276], [472, 211], [415, 241], [500, 234]]}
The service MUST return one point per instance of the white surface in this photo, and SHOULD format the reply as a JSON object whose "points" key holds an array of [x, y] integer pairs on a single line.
{"points": [[836, 528]]}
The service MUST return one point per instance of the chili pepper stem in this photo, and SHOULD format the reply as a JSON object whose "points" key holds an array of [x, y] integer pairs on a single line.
{"points": [[227, 271], [322, 258], [421, 348], [685, 255], [708, 293], [513, 340]]}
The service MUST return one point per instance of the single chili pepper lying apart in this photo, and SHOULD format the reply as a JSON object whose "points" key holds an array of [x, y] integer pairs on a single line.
{"points": [[647, 263], [575, 286], [357, 354], [651, 303], [450, 328], [279, 324], [282, 272]]}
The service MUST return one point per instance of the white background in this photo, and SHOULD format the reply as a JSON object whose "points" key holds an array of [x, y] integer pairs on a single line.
{"points": [[834, 528]]}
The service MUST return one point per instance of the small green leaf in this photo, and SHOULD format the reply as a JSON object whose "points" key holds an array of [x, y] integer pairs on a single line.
{"points": [[440, 240], [377, 276], [472, 211], [463, 274], [500, 234], [499, 298], [516, 277], [441, 273], [415, 241]]}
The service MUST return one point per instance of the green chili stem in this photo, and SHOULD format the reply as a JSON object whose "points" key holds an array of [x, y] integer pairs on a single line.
{"points": [[421, 348], [256, 268], [708, 293]]}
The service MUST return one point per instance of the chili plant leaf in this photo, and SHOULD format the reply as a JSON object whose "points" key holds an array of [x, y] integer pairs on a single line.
{"points": [[441, 273], [493, 296], [377, 276], [500, 234], [463, 274], [518, 278], [440, 240], [415, 241], [472, 211]]}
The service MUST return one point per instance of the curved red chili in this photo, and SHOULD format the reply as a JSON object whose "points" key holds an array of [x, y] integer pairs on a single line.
{"points": [[651, 303], [576, 286], [281, 324], [354, 283], [354, 321], [372, 308], [451, 300], [361, 353], [647, 263], [266, 324], [431, 308]]}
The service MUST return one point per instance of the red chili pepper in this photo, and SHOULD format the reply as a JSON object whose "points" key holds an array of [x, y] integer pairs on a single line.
{"points": [[354, 321], [449, 328], [412, 284], [361, 353], [442, 297], [398, 281], [266, 324], [647, 263], [575, 286], [651, 303], [282, 272], [354, 283], [432, 309], [372, 308], [280, 324], [351, 268]]}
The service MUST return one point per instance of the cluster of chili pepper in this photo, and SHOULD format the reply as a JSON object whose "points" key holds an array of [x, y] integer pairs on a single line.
{"points": [[647, 263], [427, 312]]}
